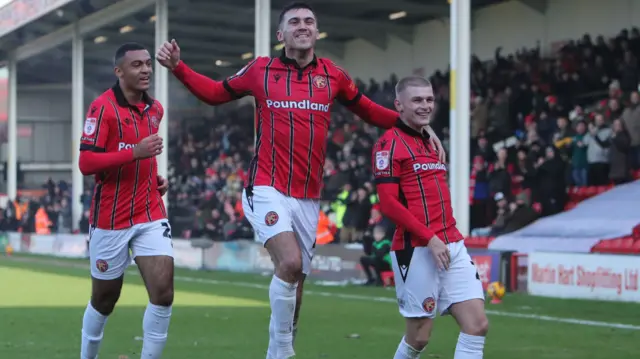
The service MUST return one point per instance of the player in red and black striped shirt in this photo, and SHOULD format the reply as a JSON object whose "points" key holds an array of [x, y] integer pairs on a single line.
{"points": [[294, 94], [118, 146], [433, 271]]}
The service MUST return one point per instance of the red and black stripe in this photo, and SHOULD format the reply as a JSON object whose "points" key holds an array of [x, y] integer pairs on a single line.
{"points": [[425, 206], [291, 133], [150, 179]]}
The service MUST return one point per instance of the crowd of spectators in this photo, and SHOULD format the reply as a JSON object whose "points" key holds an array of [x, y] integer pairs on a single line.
{"points": [[538, 125]]}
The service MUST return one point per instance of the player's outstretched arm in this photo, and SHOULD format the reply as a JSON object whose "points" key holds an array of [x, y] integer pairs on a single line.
{"points": [[205, 89], [356, 102], [392, 208]]}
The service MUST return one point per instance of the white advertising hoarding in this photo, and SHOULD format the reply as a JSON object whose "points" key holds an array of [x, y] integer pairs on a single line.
{"points": [[584, 276]]}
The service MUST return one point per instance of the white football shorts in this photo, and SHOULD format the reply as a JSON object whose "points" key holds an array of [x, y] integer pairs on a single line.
{"points": [[271, 212], [111, 251], [423, 290]]}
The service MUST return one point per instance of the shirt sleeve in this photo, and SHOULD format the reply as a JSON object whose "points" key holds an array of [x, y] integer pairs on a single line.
{"points": [[386, 166], [348, 92], [211, 91], [93, 155], [349, 96], [242, 83], [96, 128]]}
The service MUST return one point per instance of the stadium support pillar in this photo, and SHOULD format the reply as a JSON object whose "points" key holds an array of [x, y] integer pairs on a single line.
{"points": [[77, 114], [12, 129], [263, 28], [162, 88], [460, 164], [262, 35]]}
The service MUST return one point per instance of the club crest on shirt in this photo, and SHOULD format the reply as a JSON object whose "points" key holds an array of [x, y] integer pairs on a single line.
{"points": [[271, 218], [320, 82], [102, 265], [382, 160], [154, 121], [429, 305], [90, 125]]}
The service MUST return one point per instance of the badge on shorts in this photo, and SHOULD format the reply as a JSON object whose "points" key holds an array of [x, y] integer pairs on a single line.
{"points": [[90, 125], [102, 265], [429, 305], [271, 218], [382, 160]]}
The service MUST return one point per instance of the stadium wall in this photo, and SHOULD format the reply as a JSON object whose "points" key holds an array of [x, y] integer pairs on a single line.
{"points": [[512, 25]]}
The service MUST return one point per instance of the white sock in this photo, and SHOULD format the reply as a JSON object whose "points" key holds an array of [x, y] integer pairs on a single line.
{"points": [[272, 349], [282, 296], [92, 331], [469, 347], [155, 326], [406, 351]]}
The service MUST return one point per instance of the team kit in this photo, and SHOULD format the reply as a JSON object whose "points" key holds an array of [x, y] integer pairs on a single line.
{"points": [[294, 94]]}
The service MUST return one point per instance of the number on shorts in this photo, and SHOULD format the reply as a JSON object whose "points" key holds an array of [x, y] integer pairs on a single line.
{"points": [[167, 230], [477, 275]]}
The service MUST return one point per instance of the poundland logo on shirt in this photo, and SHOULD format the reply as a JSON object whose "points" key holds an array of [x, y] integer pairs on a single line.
{"points": [[125, 146], [429, 167], [299, 105]]}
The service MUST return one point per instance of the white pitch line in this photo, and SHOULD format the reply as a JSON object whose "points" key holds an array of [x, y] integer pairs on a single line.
{"points": [[591, 323], [546, 318]]}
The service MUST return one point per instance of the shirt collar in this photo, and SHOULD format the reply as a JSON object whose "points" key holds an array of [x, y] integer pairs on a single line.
{"points": [[122, 101], [289, 61], [410, 131]]}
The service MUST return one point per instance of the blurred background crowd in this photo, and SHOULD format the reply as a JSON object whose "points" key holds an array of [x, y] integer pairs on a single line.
{"points": [[539, 128]]}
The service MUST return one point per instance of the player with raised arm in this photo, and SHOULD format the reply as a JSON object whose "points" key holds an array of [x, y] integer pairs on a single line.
{"points": [[294, 94], [118, 145], [433, 271]]}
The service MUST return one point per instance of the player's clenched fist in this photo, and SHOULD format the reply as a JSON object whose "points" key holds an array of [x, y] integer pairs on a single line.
{"points": [[148, 147], [169, 54], [440, 253]]}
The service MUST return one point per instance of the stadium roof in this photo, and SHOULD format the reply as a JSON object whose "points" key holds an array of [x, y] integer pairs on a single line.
{"points": [[213, 34]]}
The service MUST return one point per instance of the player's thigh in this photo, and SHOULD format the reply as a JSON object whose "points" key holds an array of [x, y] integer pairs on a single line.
{"points": [[305, 225], [152, 250], [267, 211], [461, 283], [417, 282], [109, 253]]}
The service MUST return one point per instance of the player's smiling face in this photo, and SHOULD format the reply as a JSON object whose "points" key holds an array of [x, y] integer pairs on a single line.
{"points": [[416, 104], [135, 70], [299, 29]]}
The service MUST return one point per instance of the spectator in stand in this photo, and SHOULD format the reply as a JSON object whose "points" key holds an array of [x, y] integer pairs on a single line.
{"points": [[598, 142], [620, 154], [551, 182], [356, 219], [484, 150], [631, 119], [480, 205], [502, 209], [500, 173], [520, 215], [380, 258], [579, 164]]}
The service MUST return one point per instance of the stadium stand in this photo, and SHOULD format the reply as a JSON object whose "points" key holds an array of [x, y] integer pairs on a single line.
{"points": [[547, 133]]}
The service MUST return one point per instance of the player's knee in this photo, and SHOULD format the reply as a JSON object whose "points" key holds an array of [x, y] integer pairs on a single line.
{"points": [[418, 332], [289, 269], [162, 296], [417, 341], [104, 303], [478, 327]]}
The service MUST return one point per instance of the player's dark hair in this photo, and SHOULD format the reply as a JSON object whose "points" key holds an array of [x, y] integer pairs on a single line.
{"points": [[294, 6], [124, 48], [411, 81]]}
